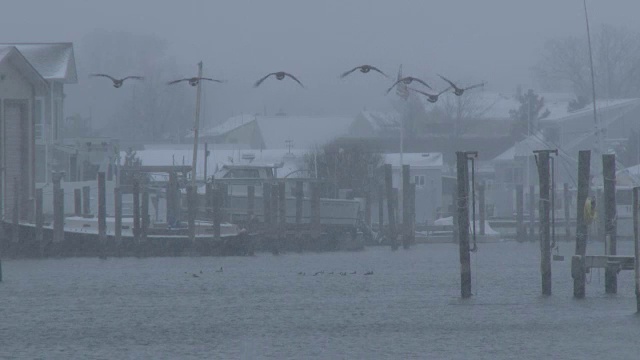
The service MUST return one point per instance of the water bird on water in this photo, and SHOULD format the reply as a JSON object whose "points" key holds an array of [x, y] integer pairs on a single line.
{"points": [[457, 90], [369, 272], [363, 69], [408, 80], [195, 275], [353, 273], [219, 270], [302, 273], [118, 82], [279, 76], [194, 80]]}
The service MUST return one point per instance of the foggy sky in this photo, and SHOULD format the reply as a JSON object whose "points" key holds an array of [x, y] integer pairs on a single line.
{"points": [[470, 40]]}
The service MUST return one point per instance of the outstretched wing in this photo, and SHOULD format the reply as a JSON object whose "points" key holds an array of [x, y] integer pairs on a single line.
{"points": [[133, 77], [444, 91], [210, 79], [449, 81], [349, 72], [176, 81], [294, 78], [474, 86], [378, 70], [394, 84], [422, 82], [263, 79], [103, 75]]}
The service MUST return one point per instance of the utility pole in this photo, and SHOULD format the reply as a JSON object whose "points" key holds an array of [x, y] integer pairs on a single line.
{"points": [[598, 133], [196, 126]]}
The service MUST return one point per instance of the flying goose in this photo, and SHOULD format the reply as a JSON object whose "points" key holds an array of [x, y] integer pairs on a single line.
{"points": [[117, 82], [363, 69], [279, 75], [457, 90]]}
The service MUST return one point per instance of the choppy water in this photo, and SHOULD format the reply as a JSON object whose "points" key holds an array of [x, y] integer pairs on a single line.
{"points": [[260, 307]]}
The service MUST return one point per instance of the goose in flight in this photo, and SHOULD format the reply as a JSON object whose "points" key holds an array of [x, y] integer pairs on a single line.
{"points": [[363, 69], [117, 82], [457, 90], [193, 81], [279, 75], [432, 98], [408, 80]]}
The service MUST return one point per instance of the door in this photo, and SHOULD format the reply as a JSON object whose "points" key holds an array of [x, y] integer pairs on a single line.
{"points": [[16, 157]]}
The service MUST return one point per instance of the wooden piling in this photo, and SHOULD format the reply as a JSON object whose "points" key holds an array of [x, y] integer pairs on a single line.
{"points": [[412, 212], [117, 213], [86, 200], [282, 209], [102, 208], [39, 221], [406, 215], [299, 201], [266, 202], [462, 208], [275, 207], [567, 211], [636, 238], [315, 209], [251, 201], [545, 231], [578, 271], [532, 212], [216, 203], [521, 232], [599, 221], [77, 202], [15, 234], [610, 225], [172, 199], [381, 209], [482, 207], [58, 209], [136, 210], [145, 218], [367, 206], [191, 212], [390, 206]]}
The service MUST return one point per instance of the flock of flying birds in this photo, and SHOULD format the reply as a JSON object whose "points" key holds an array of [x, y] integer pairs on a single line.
{"points": [[280, 75]]}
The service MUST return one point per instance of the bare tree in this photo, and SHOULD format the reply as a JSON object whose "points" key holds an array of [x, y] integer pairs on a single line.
{"points": [[564, 64]]}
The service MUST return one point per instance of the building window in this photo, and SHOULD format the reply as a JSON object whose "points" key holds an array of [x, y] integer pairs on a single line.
{"points": [[419, 180]]}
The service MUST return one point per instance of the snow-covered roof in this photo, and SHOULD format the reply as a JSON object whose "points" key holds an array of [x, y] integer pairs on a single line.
{"points": [[380, 120], [415, 160], [526, 147], [17, 59], [230, 124], [54, 61], [306, 132]]}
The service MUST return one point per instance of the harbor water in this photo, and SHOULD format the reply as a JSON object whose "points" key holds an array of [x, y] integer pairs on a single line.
{"points": [[274, 307]]}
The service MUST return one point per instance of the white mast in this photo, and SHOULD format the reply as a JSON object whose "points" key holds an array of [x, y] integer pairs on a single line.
{"points": [[196, 126]]}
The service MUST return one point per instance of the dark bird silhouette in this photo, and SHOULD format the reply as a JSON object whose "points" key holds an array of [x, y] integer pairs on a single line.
{"points": [[194, 80], [363, 69], [432, 98], [194, 275], [408, 80], [301, 273], [219, 270], [353, 273], [117, 82], [369, 272], [279, 75], [343, 274], [457, 90]]}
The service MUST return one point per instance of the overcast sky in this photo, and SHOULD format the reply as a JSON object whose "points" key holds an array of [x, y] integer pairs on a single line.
{"points": [[470, 40]]}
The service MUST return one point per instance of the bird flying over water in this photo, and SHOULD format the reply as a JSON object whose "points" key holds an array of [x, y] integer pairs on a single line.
{"points": [[432, 98], [363, 69], [457, 90], [193, 81], [279, 75], [117, 82], [408, 80]]}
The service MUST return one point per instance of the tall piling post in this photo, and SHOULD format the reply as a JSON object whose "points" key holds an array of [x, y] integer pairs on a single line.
{"points": [[136, 210], [567, 211], [315, 209], [251, 201], [545, 223], [482, 207], [412, 212], [15, 233], [102, 209], [266, 203], [86, 200], [462, 208], [636, 241], [282, 209], [521, 231], [406, 212], [367, 205], [299, 198], [216, 203], [58, 207], [578, 261], [532, 212], [117, 213], [610, 225], [77, 202], [191, 212], [144, 214], [40, 221], [381, 209], [390, 206]]}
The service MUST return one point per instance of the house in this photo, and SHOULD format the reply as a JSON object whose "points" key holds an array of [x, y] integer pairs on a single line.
{"points": [[21, 85], [276, 132], [55, 62], [426, 172]]}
